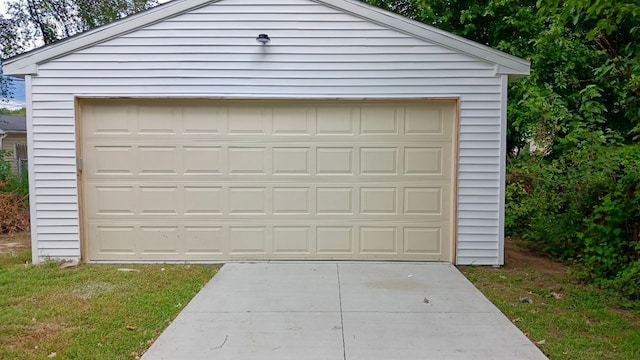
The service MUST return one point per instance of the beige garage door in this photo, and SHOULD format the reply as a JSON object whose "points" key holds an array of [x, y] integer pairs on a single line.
{"points": [[221, 180]]}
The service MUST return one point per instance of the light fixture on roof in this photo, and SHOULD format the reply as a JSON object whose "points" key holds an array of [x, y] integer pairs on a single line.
{"points": [[263, 39]]}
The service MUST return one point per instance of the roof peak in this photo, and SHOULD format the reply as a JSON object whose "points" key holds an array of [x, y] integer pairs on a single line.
{"points": [[27, 63]]}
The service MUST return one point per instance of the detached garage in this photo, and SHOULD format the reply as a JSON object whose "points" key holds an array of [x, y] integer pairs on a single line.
{"points": [[345, 132]]}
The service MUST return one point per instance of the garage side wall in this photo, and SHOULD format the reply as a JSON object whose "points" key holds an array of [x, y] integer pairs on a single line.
{"points": [[315, 52]]}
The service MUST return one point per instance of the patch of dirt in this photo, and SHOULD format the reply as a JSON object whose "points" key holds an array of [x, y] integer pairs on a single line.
{"points": [[93, 289], [517, 256], [35, 336], [12, 244]]}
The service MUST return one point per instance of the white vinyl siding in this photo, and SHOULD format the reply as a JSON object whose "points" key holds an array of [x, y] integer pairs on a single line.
{"points": [[315, 52]]}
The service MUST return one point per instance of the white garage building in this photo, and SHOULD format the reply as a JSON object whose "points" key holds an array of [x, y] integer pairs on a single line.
{"points": [[354, 133]]}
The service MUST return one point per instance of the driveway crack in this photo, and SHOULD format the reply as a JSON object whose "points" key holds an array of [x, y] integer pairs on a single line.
{"points": [[344, 348]]}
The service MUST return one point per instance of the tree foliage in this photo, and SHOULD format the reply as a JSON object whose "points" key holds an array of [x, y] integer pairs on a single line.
{"points": [[31, 23], [576, 192]]}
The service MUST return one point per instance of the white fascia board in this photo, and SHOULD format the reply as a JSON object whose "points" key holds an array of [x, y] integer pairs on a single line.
{"points": [[26, 64], [508, 64]]}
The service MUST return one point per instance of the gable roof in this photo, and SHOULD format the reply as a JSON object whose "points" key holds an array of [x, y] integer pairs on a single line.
{"points": [[27, 63], [13, 123]]}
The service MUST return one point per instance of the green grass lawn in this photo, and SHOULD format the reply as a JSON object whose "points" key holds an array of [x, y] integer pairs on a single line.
{"points": [[567, 319], [92, 311]]}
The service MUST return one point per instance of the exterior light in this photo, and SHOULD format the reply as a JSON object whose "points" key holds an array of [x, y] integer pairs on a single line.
{"points": [[263, 39]]}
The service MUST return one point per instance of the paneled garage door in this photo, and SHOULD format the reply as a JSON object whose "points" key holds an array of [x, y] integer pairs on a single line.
{"points": [[230, 180]]}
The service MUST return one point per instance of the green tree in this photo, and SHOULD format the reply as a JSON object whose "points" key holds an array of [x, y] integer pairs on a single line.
{"points": [[29, 23]]}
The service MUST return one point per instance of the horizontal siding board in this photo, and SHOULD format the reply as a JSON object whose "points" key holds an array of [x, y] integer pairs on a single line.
{"points": [[57, 222], [477, 199], [479, 245], [56, 191], [274, 90], [282, 82], [478, 253], [475, 214], [250, 34], [57, 136], [479, 230], [281, 58], [57, 214], [54, 160], [477, 260], [264, 16], [58, 229], [54, 153], [478, 183], [70, 254], [478, 207], [480, 129], [57, 199], [473, 238], [197, 39], [54, 129], [99, 63], [244, 50], [265, 26], [55, 176], [465, 174], [60, 244], [486, 136], [45, 120], [315, 52], [56, 207], [53, 145], [478, 222], [424, 74]]}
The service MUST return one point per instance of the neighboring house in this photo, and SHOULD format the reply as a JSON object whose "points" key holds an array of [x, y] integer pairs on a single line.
{"points": [[344, 132], [13, 141]]}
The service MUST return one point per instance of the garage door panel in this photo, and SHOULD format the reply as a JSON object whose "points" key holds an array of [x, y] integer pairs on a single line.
{"points": [[291, 161], [293, 120], [248, 240], [204, 241], [228, 240], [158, 120], [292, 240], [378, 240], [219, 180], [203, 200], [430, 162], [202, 160], [291, 201], [378, 160], [380, 200], [159, 240], [334, 161], [380, 120], [336, 120], [422, 240], [158, 200], [111, 160], [201, 120]]}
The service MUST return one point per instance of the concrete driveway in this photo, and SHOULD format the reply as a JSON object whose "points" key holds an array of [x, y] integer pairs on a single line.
{"points": [[343, 310]]}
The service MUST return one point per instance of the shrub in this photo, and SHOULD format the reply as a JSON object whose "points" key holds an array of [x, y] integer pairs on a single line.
{"points": [[14, 199], [582, 207]]}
